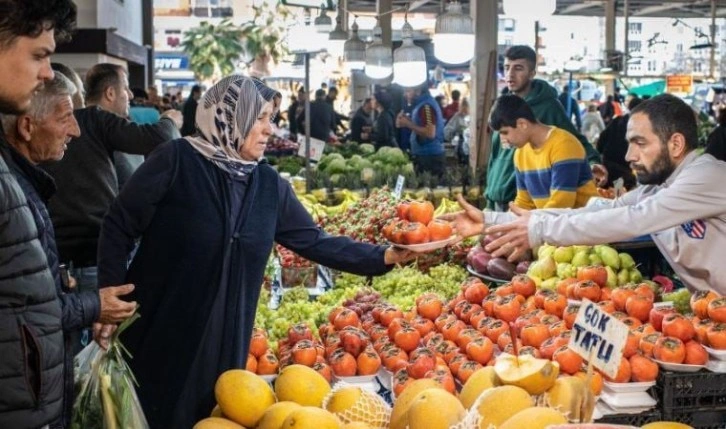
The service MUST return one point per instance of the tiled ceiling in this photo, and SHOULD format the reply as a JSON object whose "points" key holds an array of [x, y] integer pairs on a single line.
{"points": [[644, 8]]}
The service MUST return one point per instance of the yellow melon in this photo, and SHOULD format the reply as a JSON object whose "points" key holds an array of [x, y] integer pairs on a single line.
{"points": [[534, 418], [666, 425], [353, 404], [301, 384], [399, 418], [275, 416], [480, 381], [311, 418], [498, 404], [435, 409], [243, 396], [217, 423]]}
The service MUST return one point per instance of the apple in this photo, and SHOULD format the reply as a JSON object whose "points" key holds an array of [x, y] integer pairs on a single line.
{"points": [[657, 314]]}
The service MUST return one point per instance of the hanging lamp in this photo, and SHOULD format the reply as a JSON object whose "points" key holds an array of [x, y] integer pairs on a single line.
{"points": [[354, 50], [379, 59], [454, 36], [409, 60]]}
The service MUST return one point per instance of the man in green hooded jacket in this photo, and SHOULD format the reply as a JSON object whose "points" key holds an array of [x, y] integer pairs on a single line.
{"points": [[519, 69]]}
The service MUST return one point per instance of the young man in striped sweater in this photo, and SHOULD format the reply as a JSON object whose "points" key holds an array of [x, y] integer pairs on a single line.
{"points": [[551, 167]]}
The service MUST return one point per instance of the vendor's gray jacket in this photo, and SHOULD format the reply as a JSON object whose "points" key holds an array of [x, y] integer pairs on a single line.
{"points": [[685, 216], [31, 337]]}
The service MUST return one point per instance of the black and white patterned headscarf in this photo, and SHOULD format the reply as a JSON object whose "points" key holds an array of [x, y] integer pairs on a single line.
{"points": [[225, 116]]}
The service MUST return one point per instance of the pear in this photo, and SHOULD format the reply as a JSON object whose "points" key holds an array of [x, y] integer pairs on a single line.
{"points": [[610, 257], [595, 259], [548, 267], [635, 276], [585, 249], [545, 250], [623, 277], [534, 270], [564, 270], [581, 259], [612, 281], [626, 261], [563, 254], [550, 284], [537, 280]]}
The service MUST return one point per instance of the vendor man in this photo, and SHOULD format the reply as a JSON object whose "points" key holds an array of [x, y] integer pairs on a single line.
{"points": [[681, 202]]}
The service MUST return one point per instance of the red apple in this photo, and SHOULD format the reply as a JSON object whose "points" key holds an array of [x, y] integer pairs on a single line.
{"points": [[657, 314]]}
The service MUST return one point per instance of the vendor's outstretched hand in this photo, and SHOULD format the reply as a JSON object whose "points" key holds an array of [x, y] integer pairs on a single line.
{"points": [[467, 222], [394, 255], [514, 239]]}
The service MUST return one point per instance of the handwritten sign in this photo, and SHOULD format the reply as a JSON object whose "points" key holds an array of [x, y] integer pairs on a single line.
{"points": [[316, 148], [599, 335], [399, 187]]}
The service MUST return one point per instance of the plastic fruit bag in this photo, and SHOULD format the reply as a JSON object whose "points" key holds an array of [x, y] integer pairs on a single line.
{"points": [[105, 387]]}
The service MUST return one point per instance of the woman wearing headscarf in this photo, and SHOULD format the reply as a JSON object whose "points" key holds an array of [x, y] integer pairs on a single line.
{"points": [[207, 209]]}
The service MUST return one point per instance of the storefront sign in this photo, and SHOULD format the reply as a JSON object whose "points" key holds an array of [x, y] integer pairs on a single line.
{"points": [[599, 336], [171, 62], [679, 83]]}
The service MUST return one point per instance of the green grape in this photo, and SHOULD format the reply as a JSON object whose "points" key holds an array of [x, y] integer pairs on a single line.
{"points": [[681, 300]]}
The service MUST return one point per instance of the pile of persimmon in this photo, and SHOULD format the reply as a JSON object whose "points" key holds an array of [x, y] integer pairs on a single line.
{"points": [[302, 349], [347, 346], [415, 224], [261, 358]]}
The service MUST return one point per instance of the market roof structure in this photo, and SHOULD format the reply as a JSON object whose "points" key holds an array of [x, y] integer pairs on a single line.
{"points": [[636, 8]]}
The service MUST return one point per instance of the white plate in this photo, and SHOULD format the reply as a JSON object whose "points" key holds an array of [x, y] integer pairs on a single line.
{"points": [[628, 387], [716, 365], [269, 378], [679, 367], [474, 273], [626, 401], [427, 247], [716, 354], [385, 377]]}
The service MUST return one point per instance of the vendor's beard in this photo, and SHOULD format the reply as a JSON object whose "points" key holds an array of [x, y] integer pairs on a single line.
{"points": [[662, 169]]}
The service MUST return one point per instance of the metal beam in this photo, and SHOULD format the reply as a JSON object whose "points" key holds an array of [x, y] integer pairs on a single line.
{"points": [[577, 7], [660, 8]]}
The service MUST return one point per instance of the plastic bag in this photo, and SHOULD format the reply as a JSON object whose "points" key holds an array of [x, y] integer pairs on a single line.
{"points": [[105, 387]]}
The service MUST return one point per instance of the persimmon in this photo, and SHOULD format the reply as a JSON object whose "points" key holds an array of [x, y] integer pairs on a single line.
{"points": [[605, 294], [465, 337], [563, 284], [251, 364], [596, 381], [480, 350], [607, 306], [421, 363], [402, 209], [534, 334], [588, 289], [504, 290], [643, 329], [555, 305], [443, 319], [524, 320], [631, 345], [415, 233], [377, 331], [570, 362], [632, 322], [695, 354], [540, 296], [456, 362], [716, 335], [529, 305], [701, 329], [407, 339], [304, 353], [445, 379], [669, 349], [476, 317], [717, 310], [676, 325], [549, 319], [460, 307], [620, 315], [324, 370], [699, 302], [657, 314], [482, 325], [268, 364], [507, 308], [301, 331], [451, 330], [423, 326], [347, 317], [642, 369], [401, 380], [258, 345], [594, 273], [476, 292], [623, 375], [620, 297], [467, 369], [570, 314], [639, 306], [439, 230], [388, 314], [647, 343], [333, 314], [421, 211], [523, 285], [468, 311], [643, 289], [530, 351], [496, 329], [430, 308], [556, 328]]}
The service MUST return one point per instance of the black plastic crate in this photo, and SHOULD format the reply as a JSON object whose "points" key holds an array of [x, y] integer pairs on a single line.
{"points": [[681, 391], [632, 419], [705, 418]]}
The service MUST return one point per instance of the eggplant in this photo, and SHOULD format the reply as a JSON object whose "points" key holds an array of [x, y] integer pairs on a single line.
{"points": [[501, 268], [478, 258], [522, 267]]}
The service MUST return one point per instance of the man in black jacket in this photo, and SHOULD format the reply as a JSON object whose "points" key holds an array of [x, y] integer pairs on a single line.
{"points": [[31, 362], [322, 118], [81, 201], [189, 111], [41, 135]]}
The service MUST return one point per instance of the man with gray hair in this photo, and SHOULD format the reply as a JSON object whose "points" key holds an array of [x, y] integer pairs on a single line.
{"points": [[40, 135]]}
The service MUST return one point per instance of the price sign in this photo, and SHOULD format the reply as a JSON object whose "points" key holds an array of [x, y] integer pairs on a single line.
{"points": [[316, 148], [399, 187], [598, 335]]}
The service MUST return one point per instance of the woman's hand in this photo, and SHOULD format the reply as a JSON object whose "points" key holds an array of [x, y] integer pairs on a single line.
{"points": [[467, 222], [395, 255]]}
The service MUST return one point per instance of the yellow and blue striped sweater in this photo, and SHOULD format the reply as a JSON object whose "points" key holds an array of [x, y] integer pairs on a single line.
{"points": [[556, 175]]}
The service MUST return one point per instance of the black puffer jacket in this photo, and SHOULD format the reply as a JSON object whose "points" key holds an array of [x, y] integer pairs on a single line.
{"points": [[80, 309], [31, 336]]}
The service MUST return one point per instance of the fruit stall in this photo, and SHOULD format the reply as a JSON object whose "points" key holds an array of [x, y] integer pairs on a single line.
{"points": [[459, 339]]}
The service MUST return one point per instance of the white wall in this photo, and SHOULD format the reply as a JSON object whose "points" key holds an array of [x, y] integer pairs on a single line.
{"points": [[87, 16], [125, 16]]}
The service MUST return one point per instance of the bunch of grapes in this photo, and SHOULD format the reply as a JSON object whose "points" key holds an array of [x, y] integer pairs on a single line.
{"points": [[364, 219], [404, 284], [681, 300], [290, 259], [298, 293]]}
